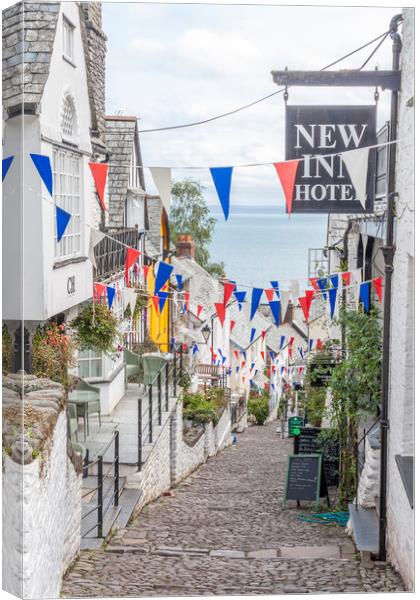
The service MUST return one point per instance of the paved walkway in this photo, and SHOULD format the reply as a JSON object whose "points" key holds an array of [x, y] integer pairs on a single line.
{"points": [[224, 531]]}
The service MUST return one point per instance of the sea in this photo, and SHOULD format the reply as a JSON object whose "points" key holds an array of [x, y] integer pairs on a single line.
{"points": [[262, 244]]}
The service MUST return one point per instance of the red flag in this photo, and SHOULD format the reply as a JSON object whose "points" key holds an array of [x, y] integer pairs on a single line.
{"points": [[270, 294], [262, 355], [232, 325], [286, 172], [263, 332], [300, 370], [314, 282], [242, 364], [187, 300], [236, 353], [199, 309], [221, 311], [99, 289], [377, 282], [100, 172], [309, 297], [319, 344], [303, 300], [227, 291], [346, 277], [291, 340], [132, 256], [156, 303], [145, 271]]}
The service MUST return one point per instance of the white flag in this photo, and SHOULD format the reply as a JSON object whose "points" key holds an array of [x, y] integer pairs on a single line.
{"points": [[162, 179], [95, 237], [356, 162], [356, 280], [129, 298]]}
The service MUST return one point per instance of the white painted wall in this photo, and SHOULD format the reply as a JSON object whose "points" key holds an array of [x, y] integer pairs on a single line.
{"points": [[41, 521], [400, 538]]}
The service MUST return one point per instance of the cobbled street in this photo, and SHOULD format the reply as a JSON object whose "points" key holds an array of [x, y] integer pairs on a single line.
{"points": [[224, 531]]}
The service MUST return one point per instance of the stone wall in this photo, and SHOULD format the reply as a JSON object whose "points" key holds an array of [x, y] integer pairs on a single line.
{"points": [[400, 515]]}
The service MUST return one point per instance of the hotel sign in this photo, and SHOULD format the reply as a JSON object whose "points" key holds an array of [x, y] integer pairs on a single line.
{"points": [[322, 183]]}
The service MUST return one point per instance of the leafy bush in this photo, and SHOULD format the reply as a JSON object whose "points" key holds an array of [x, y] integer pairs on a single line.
{"points": [[96, 326], [52, 353], [258, 407], [7, 350], [204, 407]]}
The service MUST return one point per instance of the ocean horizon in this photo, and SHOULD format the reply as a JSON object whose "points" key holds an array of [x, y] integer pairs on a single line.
{"points": [[261, 244]]}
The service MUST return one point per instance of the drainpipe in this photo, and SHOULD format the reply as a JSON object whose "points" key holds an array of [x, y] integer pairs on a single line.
{"points": [[388, 252]]}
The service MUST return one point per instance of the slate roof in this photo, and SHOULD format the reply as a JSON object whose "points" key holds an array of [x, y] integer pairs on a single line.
{"points": [[28, 40], [241, 333], [154, 217]]}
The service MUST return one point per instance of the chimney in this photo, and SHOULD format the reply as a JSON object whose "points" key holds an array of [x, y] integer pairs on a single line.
{"points": [[185, 247], [288, 317]]}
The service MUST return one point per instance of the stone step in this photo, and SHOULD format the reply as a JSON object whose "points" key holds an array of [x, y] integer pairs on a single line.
{"points": [[365, 526]]}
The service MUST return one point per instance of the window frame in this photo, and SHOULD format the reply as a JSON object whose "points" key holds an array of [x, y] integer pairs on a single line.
{"points": [[71, 243], [98, 357], [68, 39]]}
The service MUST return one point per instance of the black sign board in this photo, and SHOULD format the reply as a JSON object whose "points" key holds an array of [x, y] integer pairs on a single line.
{"points": [[323, 374], [322, 184], [305, 479], [310, 442]]}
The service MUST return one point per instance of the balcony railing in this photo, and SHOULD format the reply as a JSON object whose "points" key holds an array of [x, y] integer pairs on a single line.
{"points": [[110, 254]]}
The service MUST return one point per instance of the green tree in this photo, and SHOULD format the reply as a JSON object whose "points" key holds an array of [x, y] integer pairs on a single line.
{"points": [[190, 215]]}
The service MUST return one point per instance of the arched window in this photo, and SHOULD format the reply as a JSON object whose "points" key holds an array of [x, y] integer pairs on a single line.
{"points": [[68, 119]]}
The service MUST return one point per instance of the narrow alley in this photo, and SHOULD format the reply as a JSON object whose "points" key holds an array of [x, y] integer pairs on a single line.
{"points": [[224, 531]]}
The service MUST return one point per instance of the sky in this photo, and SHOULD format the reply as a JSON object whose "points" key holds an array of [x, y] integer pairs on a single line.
{"points": [[173, 64]]}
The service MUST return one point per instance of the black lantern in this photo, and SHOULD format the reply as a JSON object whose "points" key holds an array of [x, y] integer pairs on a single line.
{"points": [[206, 333]]}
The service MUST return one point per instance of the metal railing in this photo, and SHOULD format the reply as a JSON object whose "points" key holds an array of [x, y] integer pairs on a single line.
{"points": [[150, 405], [360, 463], [113, 491], [110, 254]]}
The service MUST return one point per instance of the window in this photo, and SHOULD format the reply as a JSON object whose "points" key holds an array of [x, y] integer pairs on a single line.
{"points": [[90, 364], [66, 185], [68, 39], [67, 119], [133, 180]]}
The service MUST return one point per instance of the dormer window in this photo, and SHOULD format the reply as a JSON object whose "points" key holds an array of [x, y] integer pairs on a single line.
{"points": [[68, 40]]}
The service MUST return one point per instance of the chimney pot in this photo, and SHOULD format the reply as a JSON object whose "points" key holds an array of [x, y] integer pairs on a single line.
{"points": [[185, 247]]}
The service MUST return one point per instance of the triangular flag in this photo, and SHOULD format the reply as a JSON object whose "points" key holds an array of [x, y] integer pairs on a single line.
{"points": [[377, 283], [129, 298], [232, 325], [240, 297], [99, 289], [313, 281], [252, 366], [334, 280], [286, 172], [270, 294], [255, 301], [262, 355], [222, 178], [253, 332], [263, 334], [275, 285], [272, 355], [309, 297], [199, 309], [155, 300], [187, 300], [357, 162], [95, 237], [332, 293], [110, 293], [195, 348], [131, 257], [5, 166], [365, 294], [62, 219], [99, 173], [228, 289], [282, 340], [145, 271], [319, 344], [163, 273], [303, 300], [179, 281], [237, 369], [221, 311], [275, 309], [162, 179], [236, 353], [311, 343], [355, 288], [43, 166], [346, 277], [163, 296], [285, 297], [323, 286]]}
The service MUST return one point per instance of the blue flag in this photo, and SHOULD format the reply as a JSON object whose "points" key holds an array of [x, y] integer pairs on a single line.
{"points": [[163, 296], [332, 293], [272, 355], [282, 340], [244, 353], [275, 309], [5, 166], [255, 301], [179, 281], [163, 273], [110, 293], [195, 348], [252, 366], [253, 332], [62, 220], [275, 285], [364, 295], [334, 280], [240, 297], [237, 369], [43, 166], [222, 178], [311, 343], [323, 285]]}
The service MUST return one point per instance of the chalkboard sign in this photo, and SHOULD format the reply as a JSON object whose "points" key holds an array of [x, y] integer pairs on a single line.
{"points": [[310, 442], [305, 478], [295, 425], [322, 378]]}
